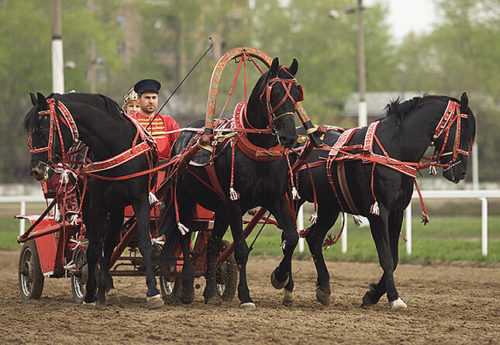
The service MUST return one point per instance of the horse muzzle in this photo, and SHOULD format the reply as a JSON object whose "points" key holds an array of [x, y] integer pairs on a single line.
{"points": [[455, 172], [40, 171]]}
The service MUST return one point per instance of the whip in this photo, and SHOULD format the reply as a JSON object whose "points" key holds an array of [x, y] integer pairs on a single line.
{"points": [[182, 81]]}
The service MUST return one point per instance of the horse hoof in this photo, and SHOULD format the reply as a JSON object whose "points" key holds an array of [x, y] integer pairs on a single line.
{"points": [[323, 296], [276, 283], [370, 297], [154, 302], [187, 299], [287, 298], [247, 305], [89, 304], [398, 304], [216, 300]]}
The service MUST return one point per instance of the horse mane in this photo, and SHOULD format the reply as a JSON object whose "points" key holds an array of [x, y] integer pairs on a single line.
{"points": [[98, 101], [399, 109]]}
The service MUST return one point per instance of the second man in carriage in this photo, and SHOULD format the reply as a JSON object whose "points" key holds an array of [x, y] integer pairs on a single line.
{"points": [[141, 103]]}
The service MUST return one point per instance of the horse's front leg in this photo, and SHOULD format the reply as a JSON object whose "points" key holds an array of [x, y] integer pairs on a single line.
{"points": [[282, 275], [141, 210], [110, 242], [379, 226], [213, 250], [328, 213], [376, 291], [241, 252], [94, 219]]}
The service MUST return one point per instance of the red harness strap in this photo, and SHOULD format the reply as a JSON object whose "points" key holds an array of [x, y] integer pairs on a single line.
{"points": [[344, 198], [252, 151], [117, 160]]}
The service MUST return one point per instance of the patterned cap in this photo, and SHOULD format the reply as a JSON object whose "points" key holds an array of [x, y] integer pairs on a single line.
{"points": [[130, 96]]}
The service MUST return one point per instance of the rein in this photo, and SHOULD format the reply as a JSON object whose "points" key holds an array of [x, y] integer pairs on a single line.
{"points": [[145, 147]]}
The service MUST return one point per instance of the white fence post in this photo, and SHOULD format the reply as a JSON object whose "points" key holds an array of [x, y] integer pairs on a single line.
{"points": [[23, 221], [343, 236], [408, 230], [484, 226], [300, 227]]}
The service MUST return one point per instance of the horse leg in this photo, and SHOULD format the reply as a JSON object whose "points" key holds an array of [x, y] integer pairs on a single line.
{"points": [[213, 249], [141, 210], [187, 296], [380, 233], [168, 257], [376, 291], [282, 275], [315, 238], [111, 240], [187, 210], [241, 253], [94, 217]]}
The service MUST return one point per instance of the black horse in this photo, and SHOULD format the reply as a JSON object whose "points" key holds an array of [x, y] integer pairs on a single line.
{"points": [[106, 132], [406, 132], [259, 183]]}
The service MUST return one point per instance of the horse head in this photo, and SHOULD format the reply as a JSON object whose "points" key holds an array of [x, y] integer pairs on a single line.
{"points": [[47, 139], [455, 142], [275, 97]]}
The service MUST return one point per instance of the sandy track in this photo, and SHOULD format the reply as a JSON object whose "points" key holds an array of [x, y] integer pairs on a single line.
{"points": [[447, 305]]}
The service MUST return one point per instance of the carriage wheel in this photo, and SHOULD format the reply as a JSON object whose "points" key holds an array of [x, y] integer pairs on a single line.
{"points": [[30, 275], [171, 290], [227, 276], [79, 278]]}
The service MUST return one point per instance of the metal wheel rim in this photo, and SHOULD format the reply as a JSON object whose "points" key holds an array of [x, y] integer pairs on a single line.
{"points": [[77, 286], [168, 286], [221, 288], [221, 274], [26, 273], [79, 281]]}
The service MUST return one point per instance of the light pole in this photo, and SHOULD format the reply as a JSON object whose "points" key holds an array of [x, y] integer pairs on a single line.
{"points": [[57, 49], [360, 52], [362, 109]]}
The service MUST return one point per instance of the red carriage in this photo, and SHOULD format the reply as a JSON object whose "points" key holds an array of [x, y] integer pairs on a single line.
{"points": [[55, 244]]}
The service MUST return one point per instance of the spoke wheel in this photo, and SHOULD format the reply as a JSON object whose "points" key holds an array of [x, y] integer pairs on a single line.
{"points": [[227, 276], [30, 275], [170, 290], [79, 277]]}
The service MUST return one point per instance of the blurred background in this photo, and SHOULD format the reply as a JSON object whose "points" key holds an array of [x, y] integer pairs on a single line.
{"points": [[437, 46]]}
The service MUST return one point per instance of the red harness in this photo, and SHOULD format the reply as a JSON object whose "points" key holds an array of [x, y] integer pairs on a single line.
{"points": [[252, 151], [340, 152], [452, 115], [64, 115]]}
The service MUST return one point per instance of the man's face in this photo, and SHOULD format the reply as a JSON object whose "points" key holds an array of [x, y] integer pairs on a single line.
{"points": [[148, 102]]}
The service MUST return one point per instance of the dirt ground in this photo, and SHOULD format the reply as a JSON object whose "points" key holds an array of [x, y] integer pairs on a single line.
{"points": [[457, 304]]}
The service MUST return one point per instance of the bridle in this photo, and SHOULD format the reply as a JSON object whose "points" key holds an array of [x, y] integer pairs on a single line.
{"points": [[265, 97], [55, 130], [452, 115], [142, 143]]}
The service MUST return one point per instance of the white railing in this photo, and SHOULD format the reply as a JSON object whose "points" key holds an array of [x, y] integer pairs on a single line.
{"points": [[482, 195], [22, 200]]}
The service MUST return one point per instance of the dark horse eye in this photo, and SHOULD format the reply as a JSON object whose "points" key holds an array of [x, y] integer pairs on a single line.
{"points": [[300, 98]]}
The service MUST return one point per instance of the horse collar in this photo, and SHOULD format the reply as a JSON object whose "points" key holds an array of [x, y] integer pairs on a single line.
{"points": [[251, 150]]}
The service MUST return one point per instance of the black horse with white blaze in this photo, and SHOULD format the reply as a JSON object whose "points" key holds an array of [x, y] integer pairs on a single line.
{"points": [[381, 189], [270, 109], [98, 122]]}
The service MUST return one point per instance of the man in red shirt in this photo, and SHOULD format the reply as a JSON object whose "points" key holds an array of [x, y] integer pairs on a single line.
{"points": [[147, 91]]}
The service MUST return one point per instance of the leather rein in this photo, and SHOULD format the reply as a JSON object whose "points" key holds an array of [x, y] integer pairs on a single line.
{"points": [[64, 116]]}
